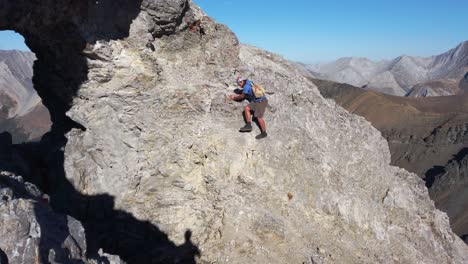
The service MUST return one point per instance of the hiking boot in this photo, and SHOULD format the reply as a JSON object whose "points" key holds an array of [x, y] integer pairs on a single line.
{"points": [[262, 135], [246, 128]]}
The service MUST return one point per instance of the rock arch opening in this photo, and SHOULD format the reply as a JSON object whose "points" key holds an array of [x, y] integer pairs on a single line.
{"points": [[22, 113], [63, 34]]}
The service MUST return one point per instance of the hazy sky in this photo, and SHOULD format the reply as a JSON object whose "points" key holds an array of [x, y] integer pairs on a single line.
{"points": [[313, 31]]}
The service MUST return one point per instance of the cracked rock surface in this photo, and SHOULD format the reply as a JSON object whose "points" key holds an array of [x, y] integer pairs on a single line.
{"points": [[31, 232], [148, 123]]}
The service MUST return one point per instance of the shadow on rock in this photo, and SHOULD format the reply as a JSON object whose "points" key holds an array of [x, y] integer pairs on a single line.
{"points": [[3, 257], [237, 91], [465, 238], [116, 232], [431, 175], [63, 49]]}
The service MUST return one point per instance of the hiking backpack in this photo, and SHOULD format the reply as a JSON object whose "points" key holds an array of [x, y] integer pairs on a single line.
{"points": [[258, 90]]}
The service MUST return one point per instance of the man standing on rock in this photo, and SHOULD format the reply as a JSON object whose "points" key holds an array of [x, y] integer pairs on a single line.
{"points": [[257, 105]]}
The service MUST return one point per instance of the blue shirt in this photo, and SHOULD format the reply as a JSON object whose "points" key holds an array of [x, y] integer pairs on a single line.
{"points": [[249, 94]]}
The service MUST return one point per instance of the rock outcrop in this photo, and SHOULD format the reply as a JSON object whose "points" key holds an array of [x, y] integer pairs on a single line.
{"points": [[411, 76], [424, 136], [31, 232], [145, 151]]}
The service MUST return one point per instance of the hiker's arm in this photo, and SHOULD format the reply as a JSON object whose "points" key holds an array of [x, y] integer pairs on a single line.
{"points": [[237, 97]]}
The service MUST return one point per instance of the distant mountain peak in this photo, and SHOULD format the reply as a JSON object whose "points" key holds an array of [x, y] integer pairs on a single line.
{"points": [[401, 74], [354, 59], [464, 44], [16, 79]]}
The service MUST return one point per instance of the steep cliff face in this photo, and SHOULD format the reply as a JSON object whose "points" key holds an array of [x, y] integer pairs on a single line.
{"points": [[422, 132], [427, 136], [151, 146]]}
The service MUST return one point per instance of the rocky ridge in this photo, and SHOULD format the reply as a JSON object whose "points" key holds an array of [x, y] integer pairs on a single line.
{"points": [[439, 75], [427, 136], [151, 145]]}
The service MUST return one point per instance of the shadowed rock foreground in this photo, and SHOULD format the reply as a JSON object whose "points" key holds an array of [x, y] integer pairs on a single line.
{"points": [[32, 233], [144, 137]]}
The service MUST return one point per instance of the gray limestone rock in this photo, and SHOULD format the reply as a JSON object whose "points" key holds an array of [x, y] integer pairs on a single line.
{"points": [[424, 136], [30, 232], [152, 146]]}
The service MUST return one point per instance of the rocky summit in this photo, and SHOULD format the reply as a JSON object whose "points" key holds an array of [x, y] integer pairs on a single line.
{"points": [[145, 150]]}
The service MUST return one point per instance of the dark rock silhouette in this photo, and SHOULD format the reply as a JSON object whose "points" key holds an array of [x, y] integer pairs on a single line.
{"points": [[3, 257]]}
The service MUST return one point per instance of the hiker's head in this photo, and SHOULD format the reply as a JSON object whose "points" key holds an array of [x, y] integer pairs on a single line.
{"points": [[240, 81]]}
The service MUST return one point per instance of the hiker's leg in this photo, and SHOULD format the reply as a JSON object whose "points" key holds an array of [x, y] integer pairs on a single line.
{"points": [[248, 120], [247, 115], [259, 111], [262, 124]]}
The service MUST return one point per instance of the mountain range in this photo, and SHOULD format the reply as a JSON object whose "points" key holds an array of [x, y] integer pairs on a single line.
{"points": [[441, 75], [21, 110]]}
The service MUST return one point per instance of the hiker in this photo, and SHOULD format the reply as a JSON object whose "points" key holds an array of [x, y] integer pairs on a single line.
{"points": [[257, 105]]}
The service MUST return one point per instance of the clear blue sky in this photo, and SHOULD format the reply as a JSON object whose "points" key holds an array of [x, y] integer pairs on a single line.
{"points": [[11, 40], [313, 31]]}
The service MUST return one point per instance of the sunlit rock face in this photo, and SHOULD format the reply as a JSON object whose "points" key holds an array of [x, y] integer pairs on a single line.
{"points": [[138, 89], [427, 136]]}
